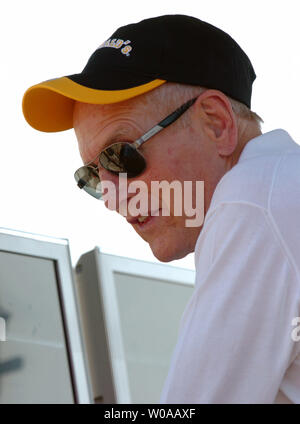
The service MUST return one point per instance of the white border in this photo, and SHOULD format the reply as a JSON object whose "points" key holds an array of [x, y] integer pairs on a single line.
{"points": [[107, 266], [58, 251]]}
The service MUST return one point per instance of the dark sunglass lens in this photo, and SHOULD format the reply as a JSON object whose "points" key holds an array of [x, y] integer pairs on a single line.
{"points": [[123, 157], [110, 158], [132, 160], [88, 179]]}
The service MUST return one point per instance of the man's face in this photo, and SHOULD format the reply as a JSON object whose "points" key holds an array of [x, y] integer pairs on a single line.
{"points": [[175, 153]]}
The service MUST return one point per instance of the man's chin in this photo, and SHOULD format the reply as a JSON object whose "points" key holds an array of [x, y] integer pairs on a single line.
{"points": [[167, 253]]}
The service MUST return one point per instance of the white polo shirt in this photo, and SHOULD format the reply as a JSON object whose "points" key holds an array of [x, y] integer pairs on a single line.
{"points": [[235, 341]]}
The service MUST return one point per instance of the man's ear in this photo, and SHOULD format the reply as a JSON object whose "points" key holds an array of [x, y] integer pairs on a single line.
{"points": [[214, 113]]}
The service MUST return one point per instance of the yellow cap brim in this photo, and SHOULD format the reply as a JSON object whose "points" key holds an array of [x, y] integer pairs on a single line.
{"points": [[48, 106]]}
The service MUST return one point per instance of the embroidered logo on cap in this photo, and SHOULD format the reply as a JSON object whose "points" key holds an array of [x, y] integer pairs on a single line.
{"points": [[117, 44]]}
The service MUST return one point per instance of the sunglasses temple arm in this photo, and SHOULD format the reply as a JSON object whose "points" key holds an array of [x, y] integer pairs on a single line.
{"points": [[175, 115], [165, 122], [150, 133]]}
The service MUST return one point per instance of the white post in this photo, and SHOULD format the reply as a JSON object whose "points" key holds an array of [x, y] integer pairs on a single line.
{"points": [[2, 330]]}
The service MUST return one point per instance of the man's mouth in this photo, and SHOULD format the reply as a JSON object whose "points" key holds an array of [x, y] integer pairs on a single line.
{"points": [[143, 219]]}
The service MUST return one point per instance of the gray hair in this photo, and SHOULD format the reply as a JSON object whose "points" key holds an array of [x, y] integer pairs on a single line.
{"points": [[168, 95]]}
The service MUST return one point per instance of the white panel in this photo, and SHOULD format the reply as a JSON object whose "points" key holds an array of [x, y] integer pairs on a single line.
{"points": [[42, 359], [35, 338], [150, 311], [131, 311]]}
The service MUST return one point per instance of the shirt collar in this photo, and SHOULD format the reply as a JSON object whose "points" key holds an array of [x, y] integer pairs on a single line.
{"points": [[269, 143]]}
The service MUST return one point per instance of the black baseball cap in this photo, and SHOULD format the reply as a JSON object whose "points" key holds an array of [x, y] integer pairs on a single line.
{"points": [[138, 58]]}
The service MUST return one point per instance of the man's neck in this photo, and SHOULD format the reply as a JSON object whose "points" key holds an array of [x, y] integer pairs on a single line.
{"points": [[246, 133]]}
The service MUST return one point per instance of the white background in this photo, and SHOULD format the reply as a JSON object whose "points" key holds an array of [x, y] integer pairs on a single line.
{"points": [[41, 40]]}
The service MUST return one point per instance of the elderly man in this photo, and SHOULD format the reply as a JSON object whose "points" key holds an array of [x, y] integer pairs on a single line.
{"points": [[168, 99]]}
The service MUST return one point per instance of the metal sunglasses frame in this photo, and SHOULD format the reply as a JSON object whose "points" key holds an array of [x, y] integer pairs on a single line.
{"points": [[137, 143]]}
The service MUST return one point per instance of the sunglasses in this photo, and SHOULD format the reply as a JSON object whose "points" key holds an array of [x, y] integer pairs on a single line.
{"points": [[123, 157]]}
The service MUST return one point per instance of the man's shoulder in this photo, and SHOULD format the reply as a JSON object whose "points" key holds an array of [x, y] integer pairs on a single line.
{"points": [[262, 188], [263, 174]]}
